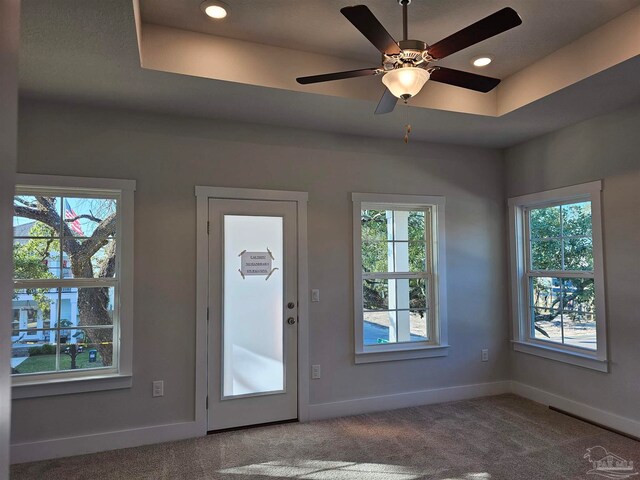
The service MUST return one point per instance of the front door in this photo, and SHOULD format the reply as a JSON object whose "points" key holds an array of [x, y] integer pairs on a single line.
{"points": [[253, 302]]}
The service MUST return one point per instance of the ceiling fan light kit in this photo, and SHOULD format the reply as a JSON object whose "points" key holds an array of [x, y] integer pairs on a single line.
{"points": [[407, 65], [405, 82]]}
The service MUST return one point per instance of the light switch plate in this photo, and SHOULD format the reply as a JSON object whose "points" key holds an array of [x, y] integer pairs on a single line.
{"points": [[315, 372], [158, 388], [315, 295]]}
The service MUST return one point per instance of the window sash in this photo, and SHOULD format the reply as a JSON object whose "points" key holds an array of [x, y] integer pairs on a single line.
{"points": [[429, 308], [528, 239], [530, 335], [428, 232]]}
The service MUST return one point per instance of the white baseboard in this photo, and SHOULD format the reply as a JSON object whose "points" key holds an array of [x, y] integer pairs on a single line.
{"points": [[608, 419], [408, 399], [99, 442]]}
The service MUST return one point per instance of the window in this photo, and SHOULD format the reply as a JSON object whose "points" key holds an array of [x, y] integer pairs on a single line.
{"points": [[558, 291], [400, 312], [72, 296]]}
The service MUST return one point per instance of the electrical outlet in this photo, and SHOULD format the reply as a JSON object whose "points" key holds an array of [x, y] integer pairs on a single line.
{"points": [[158, 388], [315, 295], [485, 355], [315, 372]]}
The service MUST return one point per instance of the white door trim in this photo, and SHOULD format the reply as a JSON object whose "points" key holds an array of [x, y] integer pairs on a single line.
{"points": [[203, 194]]}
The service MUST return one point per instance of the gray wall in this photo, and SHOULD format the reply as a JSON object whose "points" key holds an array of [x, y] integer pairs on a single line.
{"points": [[608, 148], [169, 155], [9, 40]]}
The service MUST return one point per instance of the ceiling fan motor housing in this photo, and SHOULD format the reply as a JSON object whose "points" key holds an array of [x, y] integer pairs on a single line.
{"points": [[414, 53]]}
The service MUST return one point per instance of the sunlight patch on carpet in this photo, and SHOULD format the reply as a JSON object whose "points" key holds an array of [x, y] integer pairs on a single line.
{"points": [[327, 470]]}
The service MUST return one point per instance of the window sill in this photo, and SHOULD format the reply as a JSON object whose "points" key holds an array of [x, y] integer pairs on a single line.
{"points": [[23, 388], [407, 353], [560, 355]]}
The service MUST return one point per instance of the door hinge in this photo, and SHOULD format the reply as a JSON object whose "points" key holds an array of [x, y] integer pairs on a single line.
{"points": [[207, 314], [207, 402], [208, 225]]}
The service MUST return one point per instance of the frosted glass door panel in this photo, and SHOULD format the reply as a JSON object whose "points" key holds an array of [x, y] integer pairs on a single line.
{"points": [[253, 351]]}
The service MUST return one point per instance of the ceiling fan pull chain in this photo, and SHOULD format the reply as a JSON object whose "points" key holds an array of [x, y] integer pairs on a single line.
{"points": [[407, 126]]}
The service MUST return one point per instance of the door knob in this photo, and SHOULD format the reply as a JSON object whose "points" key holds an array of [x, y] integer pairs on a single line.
{"points": [[291, 321]]}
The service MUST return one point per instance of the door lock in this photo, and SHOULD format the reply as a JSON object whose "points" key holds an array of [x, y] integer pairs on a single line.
{"points": [[291, 321]]}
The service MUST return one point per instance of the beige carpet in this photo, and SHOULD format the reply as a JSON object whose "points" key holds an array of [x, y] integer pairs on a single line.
{"points": [[504, 437]]}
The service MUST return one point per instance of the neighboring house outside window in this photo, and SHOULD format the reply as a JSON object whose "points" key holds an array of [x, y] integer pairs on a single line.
{"points": [[399, 278], [557, 275], [72, 301]]}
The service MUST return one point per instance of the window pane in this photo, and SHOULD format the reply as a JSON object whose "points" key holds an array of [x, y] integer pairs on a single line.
{"points": [[377, 326], [545, 292], [418, 321], [410, 256], [86, 306], [544, 222], [546, 255], [578, 254], [578, 294], [33, 309], [89, 258], [400, 225], [418, 293], [580, 329], [30, 213], [375, 256], [86, 348], [36, 258], [417, 256], [83, 216], [375, 294], [547, 324], [15, 321], [374, 225], [576, 219], [401, 256], [34, 353], [417, 226], [253, 330], [399, 294]]}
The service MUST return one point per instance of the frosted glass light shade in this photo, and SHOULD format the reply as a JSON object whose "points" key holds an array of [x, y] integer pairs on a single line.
{"points": [[405, 82]]}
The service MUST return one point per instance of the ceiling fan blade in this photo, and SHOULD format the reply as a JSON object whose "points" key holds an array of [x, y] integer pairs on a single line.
{"points": [[387, 103], [364, 20], [494, 24], [327, 77], [458, 78]]}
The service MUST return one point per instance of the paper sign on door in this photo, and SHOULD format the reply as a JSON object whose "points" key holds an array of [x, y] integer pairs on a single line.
{"points": [[256, 263]]}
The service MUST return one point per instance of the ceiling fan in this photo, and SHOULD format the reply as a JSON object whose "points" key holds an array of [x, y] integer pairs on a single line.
{"points": [[407, 65]]}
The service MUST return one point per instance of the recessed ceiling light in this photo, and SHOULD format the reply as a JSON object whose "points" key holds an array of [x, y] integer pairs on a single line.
{"points": [[215, 9], [481, 61]]}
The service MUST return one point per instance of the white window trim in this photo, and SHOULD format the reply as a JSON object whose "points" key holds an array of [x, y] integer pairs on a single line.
{"points": [[91, 380], [438, 347], [522, 341]]}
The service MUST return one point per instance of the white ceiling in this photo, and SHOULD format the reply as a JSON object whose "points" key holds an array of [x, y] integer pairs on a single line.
{"points": [[318, 26], [85, 51]]}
